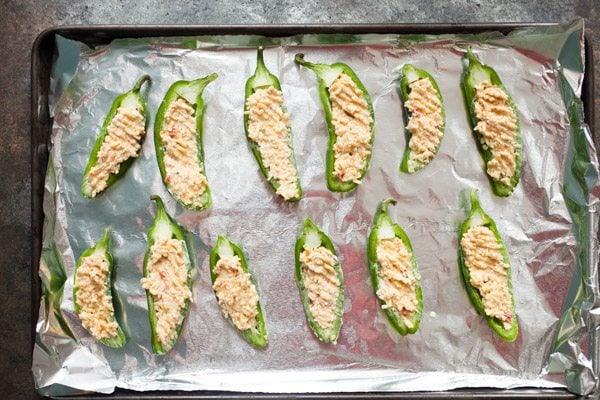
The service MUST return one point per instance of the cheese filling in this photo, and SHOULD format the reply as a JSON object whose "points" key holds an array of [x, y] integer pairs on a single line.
{"points": [[122, 141], [182, 167], [166, 280], [95, 304], [352, 122], [236, 294], [425, 122], [321, 283], [498, 128], [396, 279], [269, 128], [488, 272]]}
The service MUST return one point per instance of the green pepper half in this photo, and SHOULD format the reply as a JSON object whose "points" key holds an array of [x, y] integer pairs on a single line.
{"points": [[311, 236], [411, 74], [226, 248], [384, 228], [103, 248], [191, 91], [164, 227], [476, 73], [326, 75], [262, 79], [131, 99], [477, 217]]}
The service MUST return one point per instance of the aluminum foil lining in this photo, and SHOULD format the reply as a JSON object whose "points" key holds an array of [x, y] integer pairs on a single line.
{"points": [[549, 224]]}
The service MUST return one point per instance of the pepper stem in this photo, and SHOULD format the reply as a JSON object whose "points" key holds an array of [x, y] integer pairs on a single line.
{"points": [[140, 82], [160, 206], [105, 235], [385, 203], [260, 62], [474, 199], [472, 57]]}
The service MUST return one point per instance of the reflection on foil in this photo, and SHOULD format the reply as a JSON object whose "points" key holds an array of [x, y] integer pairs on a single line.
{"points": [[453, 347]]}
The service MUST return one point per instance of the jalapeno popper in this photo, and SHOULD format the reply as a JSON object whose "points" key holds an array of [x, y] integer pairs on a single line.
{"points": [[350, 123], [178, 139], [321, 282], [269, 133], [119, 142], [494, 119], [236, 292], [94, 298], [425, 119], [394, 272], [167, 279], [486, 271]]}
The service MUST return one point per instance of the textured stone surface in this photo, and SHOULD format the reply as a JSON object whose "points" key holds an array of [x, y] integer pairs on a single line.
{"points": [[22, 20]]}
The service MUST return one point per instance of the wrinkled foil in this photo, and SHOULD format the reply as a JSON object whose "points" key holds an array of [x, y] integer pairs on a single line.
{"points": [[549, 224]]}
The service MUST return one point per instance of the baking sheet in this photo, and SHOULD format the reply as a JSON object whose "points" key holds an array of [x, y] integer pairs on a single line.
{"points": [[454, 347]]}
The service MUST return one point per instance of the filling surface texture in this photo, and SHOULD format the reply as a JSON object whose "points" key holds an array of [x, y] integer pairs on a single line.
{"points": [[498, 128], [97, 313], [182, 167], [396, 279], [167, 283], [321, 283], [122, 141], [352, 122], [269, 128], [488, 272], [236, 294], [425, 122]]}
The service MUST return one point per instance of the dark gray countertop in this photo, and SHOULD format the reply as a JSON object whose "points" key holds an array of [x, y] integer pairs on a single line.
{"points": [[22, 20]]}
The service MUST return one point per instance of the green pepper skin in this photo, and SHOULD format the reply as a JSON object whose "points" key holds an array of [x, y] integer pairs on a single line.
{"points": [[409, 75], [383, 221], [103, 247], [263, 78], [257, 339], [164, 225], [476, 73], [132, 97], [325, 335], [478, 217], [326, 75], [191, 91]]}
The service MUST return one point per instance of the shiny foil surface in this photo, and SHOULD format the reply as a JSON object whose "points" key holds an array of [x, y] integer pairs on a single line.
{"points": [[554, 281]]}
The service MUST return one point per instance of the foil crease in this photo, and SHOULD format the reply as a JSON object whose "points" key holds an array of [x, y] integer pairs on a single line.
{"points": [[551, 236]]}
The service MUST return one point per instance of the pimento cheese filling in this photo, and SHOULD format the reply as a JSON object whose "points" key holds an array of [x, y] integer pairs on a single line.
{"points": [[269, 127], [321, 283], [122, 141], [498, 128], [396, 279], [352, 122], [488, 272], [425, 122], [166, 280], [236, 294], [182, 167], [95, 304]]}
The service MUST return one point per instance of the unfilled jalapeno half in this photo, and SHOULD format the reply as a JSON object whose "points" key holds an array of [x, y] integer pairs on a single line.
{"points": [[394, 272], [94, 297], [350, 123], [269, 133], [235, 289], [321, 282], [424, 119], [167, 279], [486, 271], [118, 143], [178, 139], [494, 119]]}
